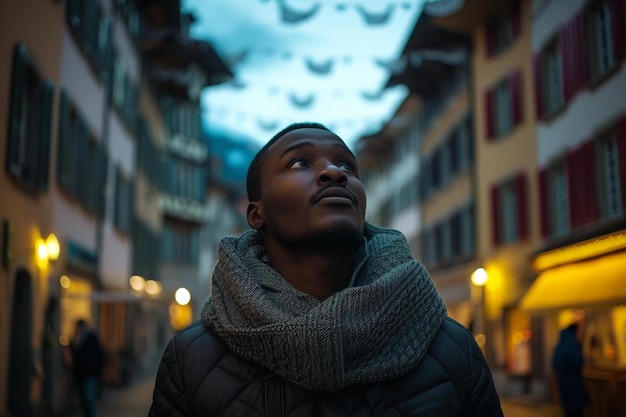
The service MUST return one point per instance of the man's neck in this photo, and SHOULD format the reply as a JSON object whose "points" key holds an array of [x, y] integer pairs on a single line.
{"points": [[317, 273]]}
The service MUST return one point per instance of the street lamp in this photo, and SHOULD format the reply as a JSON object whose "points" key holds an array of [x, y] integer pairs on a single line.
{"points": [[479, 279], [47, 250]]}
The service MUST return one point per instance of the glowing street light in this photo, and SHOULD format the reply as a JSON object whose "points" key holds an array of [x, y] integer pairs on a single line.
{"points": [[182, 296]]}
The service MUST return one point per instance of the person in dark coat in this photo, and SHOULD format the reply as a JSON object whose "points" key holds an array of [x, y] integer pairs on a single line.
{"points": [[316, 312], [567, 362], [87, 362]]}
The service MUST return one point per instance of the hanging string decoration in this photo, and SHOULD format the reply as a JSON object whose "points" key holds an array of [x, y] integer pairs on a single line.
{"points": [[290, 15]]}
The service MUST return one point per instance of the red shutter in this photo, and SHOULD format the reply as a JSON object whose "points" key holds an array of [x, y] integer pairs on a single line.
{"points": [[621, 150], [567, 61], [543, 203], [490, 39], [573, 187], [495, 214], [515, 84], [522, 206], [618, 22], [589, 198], [489, 114], [574, 60], [516, 19], [539, 110], [581, 60]]}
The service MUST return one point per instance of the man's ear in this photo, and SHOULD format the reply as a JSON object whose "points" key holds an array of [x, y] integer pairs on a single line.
{"points": [[255, 215]]}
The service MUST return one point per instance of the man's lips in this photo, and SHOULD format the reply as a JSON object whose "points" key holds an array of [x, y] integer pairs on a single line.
{"points": [[334, 191]]}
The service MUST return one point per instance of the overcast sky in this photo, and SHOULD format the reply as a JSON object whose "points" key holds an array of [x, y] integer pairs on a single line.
{"points": [[329, 66]]}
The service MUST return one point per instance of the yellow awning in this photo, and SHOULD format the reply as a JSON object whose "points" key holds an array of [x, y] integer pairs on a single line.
{"points": [[595, 282]]}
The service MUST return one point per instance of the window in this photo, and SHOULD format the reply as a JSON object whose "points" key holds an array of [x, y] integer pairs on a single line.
{"points": [[125, 93], [451, 239], [587, 185], [551, 74], [559, 208], [503, 106], [609, 181], [509, 210], [600, 38], [145, 250], [503, 30], [30, 121], [185, 179], [181, 242], [150, 157], [81, 159], [92, 32]]}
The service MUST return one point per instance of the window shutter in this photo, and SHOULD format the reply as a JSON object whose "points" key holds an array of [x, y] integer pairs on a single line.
{"points": [[490, 39], [588, 196], [618, 23], [16, 123], [103, 165], [522, 206], [489, 114], [495, 214], [573, 186], [515, 84], [45, 133], [544, 203], [565, 40], [63, 140], [516, 19], [581, 61], [621, 149], [582, 185], [539, 109]]}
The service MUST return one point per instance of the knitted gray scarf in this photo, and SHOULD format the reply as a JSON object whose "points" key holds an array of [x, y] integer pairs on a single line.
{"points": [[377, 328]]}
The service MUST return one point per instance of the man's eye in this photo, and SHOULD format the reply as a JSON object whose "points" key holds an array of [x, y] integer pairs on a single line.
{"points": [[298, 163], [346, 166]]}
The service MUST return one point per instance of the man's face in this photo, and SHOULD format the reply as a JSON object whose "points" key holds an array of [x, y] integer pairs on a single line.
{"points": [[310, 191]]}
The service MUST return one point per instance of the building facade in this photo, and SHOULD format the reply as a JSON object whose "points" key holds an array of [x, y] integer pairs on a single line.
{"points": [[544, 110], [103, 160]]}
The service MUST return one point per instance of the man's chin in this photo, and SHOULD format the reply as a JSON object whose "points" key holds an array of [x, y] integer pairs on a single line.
{"points": [[335, 238]]}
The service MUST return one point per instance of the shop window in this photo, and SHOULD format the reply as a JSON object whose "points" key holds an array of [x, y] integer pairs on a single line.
{"points": [[30, 121]]}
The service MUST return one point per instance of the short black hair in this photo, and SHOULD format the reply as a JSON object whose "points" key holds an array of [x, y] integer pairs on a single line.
{"points": [[253, 178]]}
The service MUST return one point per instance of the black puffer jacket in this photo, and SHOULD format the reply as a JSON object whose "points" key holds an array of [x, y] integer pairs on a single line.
{"points": [[200, 376]]}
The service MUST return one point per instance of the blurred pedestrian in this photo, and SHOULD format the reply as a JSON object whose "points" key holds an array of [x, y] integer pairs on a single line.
{"points": [[316, 312], [87, 361], [567, 362]]}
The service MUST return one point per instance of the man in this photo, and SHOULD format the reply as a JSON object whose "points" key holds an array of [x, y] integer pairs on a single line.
{"points": [[567, 362], [315, 312], [87, 360]]}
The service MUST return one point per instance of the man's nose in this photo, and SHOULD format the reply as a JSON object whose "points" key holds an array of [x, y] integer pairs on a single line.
{"points": [[333, 174]]}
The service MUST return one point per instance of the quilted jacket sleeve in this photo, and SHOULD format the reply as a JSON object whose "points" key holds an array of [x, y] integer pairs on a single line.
{"points": [[169, 397], [484, 400]]}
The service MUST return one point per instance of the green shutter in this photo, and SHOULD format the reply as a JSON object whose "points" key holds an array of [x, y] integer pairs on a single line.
{"points": [[17, 135], [45, 133], [63, 160], [103, 164]]}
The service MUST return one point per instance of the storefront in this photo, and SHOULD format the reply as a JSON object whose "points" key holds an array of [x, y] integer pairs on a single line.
{"points": [[587, 280]]}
